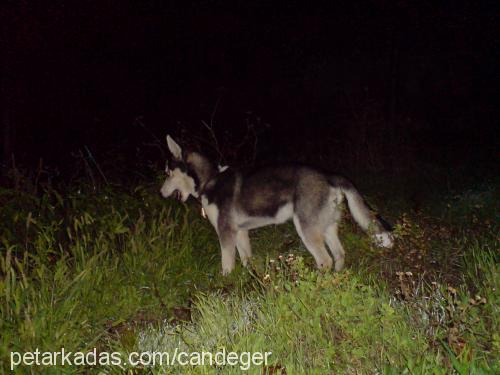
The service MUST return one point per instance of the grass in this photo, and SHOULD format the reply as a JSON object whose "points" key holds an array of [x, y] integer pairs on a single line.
{"points": [[122, 271]]}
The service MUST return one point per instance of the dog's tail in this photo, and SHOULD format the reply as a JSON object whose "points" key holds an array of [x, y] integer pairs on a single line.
{"points": [[369, 222]]}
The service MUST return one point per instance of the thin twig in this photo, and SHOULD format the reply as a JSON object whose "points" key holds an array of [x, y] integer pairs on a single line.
{"points": [[212, 116], [38, 174], [138, 121], [96, 164], [89, 170], [212, 132], [158, 143], [216, 143]]}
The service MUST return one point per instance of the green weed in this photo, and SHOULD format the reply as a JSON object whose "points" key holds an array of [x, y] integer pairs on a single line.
{"points": [[125, 271]]}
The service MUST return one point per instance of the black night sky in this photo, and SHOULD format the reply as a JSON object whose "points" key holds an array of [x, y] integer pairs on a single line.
{"points": [[348, 80]]}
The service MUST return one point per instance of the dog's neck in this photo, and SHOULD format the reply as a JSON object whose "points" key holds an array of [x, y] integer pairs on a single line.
{"points": [[203, 168]]}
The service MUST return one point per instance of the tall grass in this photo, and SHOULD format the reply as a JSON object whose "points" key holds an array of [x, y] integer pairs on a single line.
{"points": [[126, 271], [75, 270]]}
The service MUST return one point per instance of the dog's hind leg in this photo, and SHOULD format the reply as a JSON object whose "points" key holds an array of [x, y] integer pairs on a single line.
{"points": [[314, 240], [332, 239], [243, 246]]}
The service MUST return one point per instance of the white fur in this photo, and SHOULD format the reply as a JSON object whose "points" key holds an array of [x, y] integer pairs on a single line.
{"points": [[358, 210], [181, 182], [222, 168], [211, 211], [335, 246], [228, 258], [317, 250], [243, 246], [384, 239], [174, 148], [283, 214]]}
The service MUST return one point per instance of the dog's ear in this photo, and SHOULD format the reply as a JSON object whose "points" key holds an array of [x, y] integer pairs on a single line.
{"points": [[222, 168], [174, 148]]}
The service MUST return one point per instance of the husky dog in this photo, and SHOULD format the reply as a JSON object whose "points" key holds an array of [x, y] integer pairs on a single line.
{"points": [[237, 201]]}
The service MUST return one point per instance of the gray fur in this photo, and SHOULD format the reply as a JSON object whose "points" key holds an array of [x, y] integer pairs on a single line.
{"points": [[237, 201]]}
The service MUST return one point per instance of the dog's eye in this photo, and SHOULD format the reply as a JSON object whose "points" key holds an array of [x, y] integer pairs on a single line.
{"points": [[167, 170]]}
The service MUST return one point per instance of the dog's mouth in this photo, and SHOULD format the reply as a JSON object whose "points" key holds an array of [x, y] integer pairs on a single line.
{"points": [[177, 195]]}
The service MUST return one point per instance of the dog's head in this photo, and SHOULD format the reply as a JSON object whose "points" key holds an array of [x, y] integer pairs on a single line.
{"points": [[186, 172]]}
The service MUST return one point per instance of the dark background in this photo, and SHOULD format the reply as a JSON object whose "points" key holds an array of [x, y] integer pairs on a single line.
{"points": [[387, 85]]}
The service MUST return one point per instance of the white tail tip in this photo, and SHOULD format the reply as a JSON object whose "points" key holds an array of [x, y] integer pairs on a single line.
{"points": [[384, 239]]}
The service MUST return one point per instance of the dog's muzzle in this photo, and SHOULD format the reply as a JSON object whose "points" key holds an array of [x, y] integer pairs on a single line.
{"points": [[174, 194]]}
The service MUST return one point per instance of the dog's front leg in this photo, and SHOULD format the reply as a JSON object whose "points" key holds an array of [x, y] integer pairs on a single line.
{"points": [[227, 241]]}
